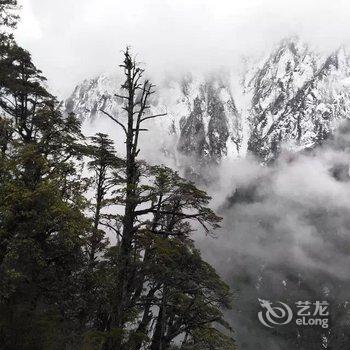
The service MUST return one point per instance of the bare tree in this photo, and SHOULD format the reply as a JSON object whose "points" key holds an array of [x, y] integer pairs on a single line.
{"points": [[137, 96]]}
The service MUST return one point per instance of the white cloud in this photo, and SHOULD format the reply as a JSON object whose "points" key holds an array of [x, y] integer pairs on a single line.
{"points": [[73, 39], [29, 26]]}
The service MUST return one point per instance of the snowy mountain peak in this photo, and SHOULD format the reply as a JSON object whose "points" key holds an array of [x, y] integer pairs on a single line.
{"points": [[294, 98], [298, 96]]}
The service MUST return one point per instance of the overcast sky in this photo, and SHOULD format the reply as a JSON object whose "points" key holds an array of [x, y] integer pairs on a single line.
{"points": [[74, 39]]}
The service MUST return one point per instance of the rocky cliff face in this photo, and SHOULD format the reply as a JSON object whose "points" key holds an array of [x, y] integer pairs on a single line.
{"points": [[212, 128], [295, 96], [95, 94], [298, 97], [202, 117]]}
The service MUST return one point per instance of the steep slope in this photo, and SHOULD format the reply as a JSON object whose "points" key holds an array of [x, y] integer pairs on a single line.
{"points": [[295, 95], [212, 128], [297, 98], [202, 117]]}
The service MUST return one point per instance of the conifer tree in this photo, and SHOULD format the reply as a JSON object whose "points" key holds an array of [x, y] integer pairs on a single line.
{"points": [[42, 225], [103, 162], [8, 15]]}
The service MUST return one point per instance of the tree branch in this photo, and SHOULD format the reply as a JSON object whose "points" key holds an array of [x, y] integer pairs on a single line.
{"points": [[153, 116], [115, 120]]}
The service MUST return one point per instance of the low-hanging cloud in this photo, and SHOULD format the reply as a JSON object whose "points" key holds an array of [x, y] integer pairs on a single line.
{"points": [[285, 234], [71, 40]]}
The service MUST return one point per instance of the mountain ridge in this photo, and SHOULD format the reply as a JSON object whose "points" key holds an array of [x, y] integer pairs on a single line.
{"points": [[293, 98]]}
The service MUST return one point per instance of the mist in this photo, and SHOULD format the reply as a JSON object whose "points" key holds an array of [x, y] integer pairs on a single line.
{"points": [[73, 40], [285, 236]]}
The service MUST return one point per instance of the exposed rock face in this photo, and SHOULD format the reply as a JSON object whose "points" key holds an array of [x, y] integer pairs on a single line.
{"points": [[295, 96], [201, 114], [212, 126], [95, 94]]}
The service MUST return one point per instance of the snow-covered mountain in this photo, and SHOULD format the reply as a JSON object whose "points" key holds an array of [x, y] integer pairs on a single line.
{"points": [[293, 98], [298, 97]]}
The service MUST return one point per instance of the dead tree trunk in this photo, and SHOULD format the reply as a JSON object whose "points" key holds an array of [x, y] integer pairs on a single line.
{"points": [[136, 97]]}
